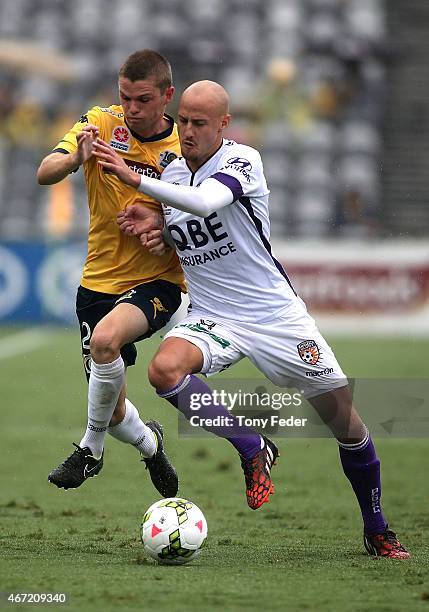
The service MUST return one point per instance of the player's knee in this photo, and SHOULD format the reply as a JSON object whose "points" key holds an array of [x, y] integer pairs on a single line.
{"points": [[164, 373], [103, 345]]}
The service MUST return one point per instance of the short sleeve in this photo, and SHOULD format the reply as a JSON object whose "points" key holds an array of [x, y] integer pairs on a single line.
{"points": [[68, 143], [240, 169]]}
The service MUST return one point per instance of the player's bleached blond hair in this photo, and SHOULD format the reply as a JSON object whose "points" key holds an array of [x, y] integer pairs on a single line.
{"points": [[143, 64]]}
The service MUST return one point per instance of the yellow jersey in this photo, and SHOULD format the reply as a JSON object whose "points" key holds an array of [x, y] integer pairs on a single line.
{"points": [[115, 262]]}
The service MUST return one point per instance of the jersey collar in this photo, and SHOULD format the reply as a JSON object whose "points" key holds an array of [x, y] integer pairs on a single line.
{"points": [[165, 134]]}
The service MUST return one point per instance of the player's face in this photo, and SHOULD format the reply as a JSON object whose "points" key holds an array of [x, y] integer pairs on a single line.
{"points": [[143, 105], [200, 131]]}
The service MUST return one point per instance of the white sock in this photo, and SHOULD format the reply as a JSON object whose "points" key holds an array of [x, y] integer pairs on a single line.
{"points": [[133, 431], [105, 384]]}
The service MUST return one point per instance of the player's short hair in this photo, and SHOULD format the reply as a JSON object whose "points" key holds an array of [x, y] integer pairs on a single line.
{"points": [[146, 63]]}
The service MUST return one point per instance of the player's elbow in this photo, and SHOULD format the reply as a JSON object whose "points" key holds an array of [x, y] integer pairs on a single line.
{"points": [[212, 196], [207, 207], [42, 175], [41, 178], [53, 168], [202, 211]]}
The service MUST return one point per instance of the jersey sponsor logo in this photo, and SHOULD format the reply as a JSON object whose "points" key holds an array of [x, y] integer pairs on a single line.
{"points": [[308, 351], [195, 236], [207, 323], [202, 258], [196, 327], [83, 119], [239, 164], [120, 137], [157, 306], [128, 295], [121, 134], [119, 146], [319, 372], [111, 112], [166, 157], [146, 169]]}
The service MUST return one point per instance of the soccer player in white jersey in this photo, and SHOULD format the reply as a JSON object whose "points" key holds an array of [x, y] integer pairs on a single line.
{"points": [[243, 305]]}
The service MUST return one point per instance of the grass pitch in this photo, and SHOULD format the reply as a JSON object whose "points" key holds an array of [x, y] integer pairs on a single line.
{"points": [[302, 551]]}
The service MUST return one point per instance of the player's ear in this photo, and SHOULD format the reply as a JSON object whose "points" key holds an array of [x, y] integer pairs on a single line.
{"points": [[225, 121], [169, 93]]}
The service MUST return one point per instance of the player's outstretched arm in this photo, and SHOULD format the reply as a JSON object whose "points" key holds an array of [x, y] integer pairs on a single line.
{"points": [[56, 166], [109, 159], [210, 196]]}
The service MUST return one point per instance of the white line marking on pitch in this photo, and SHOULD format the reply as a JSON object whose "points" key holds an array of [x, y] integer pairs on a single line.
{"points": [[23, 342]]}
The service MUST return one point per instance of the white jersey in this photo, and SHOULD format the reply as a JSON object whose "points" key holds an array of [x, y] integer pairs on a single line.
{"points": [[226, 257]]}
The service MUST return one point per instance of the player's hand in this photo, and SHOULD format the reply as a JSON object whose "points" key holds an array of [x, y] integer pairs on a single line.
{"points": [[154, 242], [136, 220], [110, 160], [85, 141]]}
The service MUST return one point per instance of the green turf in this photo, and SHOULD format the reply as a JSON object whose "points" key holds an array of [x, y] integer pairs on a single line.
{"points": [[302, 551]]}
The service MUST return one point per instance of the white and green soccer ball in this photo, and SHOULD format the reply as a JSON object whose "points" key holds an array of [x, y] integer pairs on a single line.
{"points": [[173, 531]]}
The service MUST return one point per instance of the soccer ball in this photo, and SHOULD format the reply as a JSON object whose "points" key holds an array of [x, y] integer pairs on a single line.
{"points": [[173, 531]]}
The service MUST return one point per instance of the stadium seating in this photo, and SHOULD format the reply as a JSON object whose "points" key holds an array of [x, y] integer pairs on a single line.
{"points": [[318, 128]]}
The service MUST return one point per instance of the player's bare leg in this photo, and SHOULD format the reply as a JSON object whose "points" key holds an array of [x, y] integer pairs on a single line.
{"points": [[362, 467], [106, 393], [171, 372]]}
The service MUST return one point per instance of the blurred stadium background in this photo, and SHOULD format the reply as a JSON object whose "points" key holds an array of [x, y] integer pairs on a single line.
{"points": [[333, 92]]}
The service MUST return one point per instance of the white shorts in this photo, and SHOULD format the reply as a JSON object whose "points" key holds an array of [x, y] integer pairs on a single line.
{"points": [[289, 350]]}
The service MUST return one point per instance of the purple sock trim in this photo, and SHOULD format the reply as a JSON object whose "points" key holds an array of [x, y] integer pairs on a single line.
{"points": [[175, 390], [362, 468], [246, 440]]}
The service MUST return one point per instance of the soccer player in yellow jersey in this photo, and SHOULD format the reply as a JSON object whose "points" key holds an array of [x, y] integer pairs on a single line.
{"points": [[126, 293]]}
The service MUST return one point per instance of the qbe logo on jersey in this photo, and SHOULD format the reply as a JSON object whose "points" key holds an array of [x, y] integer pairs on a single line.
{"points": [[120, 137]]}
